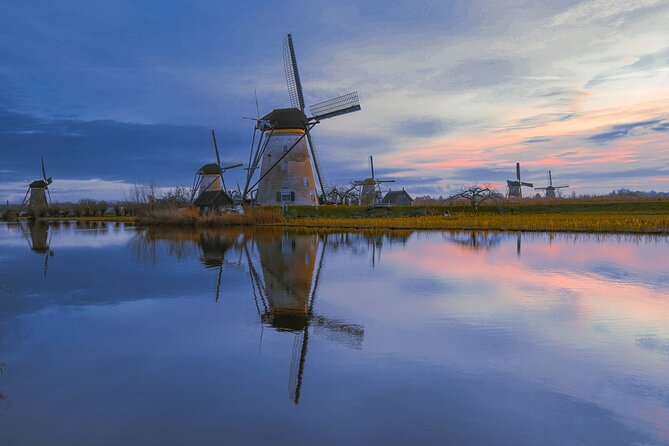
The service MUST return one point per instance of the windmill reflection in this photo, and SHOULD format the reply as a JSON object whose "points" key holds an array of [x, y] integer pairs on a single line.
{"points": [[284, 273], [285, 289], [38, 236]]}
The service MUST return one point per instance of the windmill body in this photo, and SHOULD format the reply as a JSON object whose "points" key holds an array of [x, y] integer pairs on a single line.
{"points": [[291, 181], [37, 194], [515, 188], [209, 185], [38, 201], [369, 195], [370, 188], [550, 189]]}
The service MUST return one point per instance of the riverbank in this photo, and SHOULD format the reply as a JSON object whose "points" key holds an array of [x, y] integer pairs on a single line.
{"points": [[637, 217], [644, 217]]}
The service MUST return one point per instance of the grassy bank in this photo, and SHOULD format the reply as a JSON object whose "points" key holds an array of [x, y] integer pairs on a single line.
{"points": [[649, 217]]}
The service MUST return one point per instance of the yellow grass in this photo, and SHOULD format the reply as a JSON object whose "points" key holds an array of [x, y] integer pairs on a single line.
{"points": [[191, 216], [652, 224]]}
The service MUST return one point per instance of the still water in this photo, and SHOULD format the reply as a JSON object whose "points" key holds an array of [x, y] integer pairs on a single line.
{"points": [[114, 335]]}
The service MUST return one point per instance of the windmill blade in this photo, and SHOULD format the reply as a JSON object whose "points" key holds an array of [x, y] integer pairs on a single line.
{"points": [[231, 166], [550, 178], [292, 74], [371, 163], [518, 172], [341, 105], [527, 184], [255, 93], [49, 194], [218, 158], [43, 170], [560, 187], [341, 332]]}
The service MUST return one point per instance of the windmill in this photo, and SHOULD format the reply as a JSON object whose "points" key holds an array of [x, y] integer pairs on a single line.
{"points": [[209, 184], [515, 188], [370, 193], [550, 189], [36, 195], [284, 151]]}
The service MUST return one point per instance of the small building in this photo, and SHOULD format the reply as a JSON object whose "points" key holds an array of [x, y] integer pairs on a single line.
{"points": [[397, 198], [213, 200]]}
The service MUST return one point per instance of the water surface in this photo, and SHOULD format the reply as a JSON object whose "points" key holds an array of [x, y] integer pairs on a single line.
{"points": [[116, 335]]}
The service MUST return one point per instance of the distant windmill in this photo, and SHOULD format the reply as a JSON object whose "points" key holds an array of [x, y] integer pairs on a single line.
{"points": [[370, 193], [36, 195], [285, 151], [515, 188], [550, 189], [209, 184]]}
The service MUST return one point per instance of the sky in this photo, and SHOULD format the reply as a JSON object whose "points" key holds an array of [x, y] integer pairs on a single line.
{"points": [[452, 93]]}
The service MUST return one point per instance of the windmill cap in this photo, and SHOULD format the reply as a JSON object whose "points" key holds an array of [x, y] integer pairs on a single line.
{"points": [[287, 118], [38, 184], [209, 169]]}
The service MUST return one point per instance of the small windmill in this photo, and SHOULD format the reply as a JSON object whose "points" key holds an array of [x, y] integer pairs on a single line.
{"points": [[209, 184], [550, 189], [515, 188], [370, 193], [285, 152], [36, 195]]}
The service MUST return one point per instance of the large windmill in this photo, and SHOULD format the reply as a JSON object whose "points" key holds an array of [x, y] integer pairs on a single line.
{"points": [[515, 188], [550, 189], [209, 184], [370, 193], [36, 195], [284, 151]]}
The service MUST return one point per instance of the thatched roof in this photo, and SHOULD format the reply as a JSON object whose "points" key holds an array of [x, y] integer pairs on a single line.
{"points": [[209, 169], [287, 118], [394, 196], [213, 198]]}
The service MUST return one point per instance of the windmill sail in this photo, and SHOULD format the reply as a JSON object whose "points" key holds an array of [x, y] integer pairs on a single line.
{"points": [[297, 97], [341, 105]]}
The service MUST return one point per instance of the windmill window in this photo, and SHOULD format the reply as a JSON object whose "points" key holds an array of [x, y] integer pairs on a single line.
{"points": [[284, 166], [285, 148], [285, 184], [306, 181], [285, 196]]}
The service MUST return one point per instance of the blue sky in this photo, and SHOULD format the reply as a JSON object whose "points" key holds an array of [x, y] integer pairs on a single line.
{"points": [[114, 93]]}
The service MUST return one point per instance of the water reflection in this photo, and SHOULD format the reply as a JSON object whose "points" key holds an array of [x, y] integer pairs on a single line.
{"points": [[462, 337], [284, 271]]}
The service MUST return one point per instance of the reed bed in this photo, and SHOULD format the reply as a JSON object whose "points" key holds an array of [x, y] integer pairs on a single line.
{"points": [[190, 216]]}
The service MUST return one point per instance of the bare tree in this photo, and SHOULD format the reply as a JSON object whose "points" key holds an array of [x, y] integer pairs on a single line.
{"points": [[476, 195]]}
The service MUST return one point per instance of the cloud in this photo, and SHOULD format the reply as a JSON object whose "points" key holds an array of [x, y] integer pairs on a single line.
{"points": [[168, 154], [630, 129]]}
